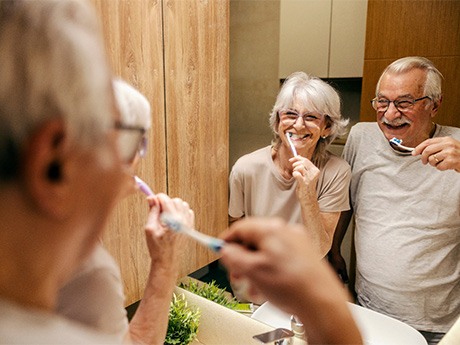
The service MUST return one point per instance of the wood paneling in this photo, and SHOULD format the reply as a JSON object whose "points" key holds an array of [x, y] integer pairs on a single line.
{"points": [[400, 28], [188, 142], [197, 86]]}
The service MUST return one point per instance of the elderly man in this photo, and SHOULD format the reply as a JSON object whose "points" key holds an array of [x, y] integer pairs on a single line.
{"points": [[406, 204]]}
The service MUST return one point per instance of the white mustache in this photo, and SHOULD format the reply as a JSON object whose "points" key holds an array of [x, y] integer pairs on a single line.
{"points": [[396, 122]]}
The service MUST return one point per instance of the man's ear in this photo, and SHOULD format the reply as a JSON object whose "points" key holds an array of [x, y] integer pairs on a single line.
{"points": [[44, 168], [436, 106]]}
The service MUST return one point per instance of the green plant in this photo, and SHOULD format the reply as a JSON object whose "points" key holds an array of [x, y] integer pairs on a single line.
{"points": [[183, 322], [210, 291]]}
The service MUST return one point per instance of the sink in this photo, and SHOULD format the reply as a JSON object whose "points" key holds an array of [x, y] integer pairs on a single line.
{"points": [[223, 326], [375, 328]]}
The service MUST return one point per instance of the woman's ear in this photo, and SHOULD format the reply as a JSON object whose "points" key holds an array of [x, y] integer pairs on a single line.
{"points": [[326, 131], [43, 168]]}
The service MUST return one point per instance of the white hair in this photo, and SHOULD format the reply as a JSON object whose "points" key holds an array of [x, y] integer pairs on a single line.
{"points": [[316, 95], [52, 65], [432, 87], [133, 106]]}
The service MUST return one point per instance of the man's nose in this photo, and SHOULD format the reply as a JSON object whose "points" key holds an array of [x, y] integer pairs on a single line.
{"points": [[392, 112]]}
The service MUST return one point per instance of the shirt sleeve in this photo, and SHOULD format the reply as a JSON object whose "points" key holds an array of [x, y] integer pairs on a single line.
{"points": [[236, 189], [333, 195]]}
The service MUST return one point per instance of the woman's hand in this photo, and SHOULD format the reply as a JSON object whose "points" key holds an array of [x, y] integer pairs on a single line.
{"points": [[161, 241], [306, 174]]}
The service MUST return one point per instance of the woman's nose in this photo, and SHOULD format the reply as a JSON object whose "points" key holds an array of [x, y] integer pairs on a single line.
{"points": [[299, 122]]}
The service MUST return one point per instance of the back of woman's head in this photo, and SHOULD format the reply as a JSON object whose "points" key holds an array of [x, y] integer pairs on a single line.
{"points": [[52, 65], [133, 106]]}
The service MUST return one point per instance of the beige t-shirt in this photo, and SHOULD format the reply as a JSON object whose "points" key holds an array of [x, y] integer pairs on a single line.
{"points": [[94, 296], [22, 325], [258, 189]]}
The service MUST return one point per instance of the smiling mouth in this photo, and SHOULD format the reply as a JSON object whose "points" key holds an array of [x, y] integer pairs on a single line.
{"points": [[396, 127], [299, 137]]}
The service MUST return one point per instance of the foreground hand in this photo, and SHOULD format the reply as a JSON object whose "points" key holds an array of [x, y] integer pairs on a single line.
{"points": [[280, 262], [274, 257], [442, 153]]}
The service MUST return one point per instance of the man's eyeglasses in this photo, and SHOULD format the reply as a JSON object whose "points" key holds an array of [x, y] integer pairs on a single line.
{"points": [[289, 117], [131, 141], [402, 104]]}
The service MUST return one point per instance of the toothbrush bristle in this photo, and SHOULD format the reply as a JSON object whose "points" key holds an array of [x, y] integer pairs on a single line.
{"points": [[216, 245]]}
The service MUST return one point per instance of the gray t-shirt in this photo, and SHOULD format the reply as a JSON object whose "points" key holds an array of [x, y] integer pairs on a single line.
{"points": [[407, 232], [258, 189]]}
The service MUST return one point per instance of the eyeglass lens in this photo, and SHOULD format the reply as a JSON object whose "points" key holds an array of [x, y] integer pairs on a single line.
{"points": [[289, 117]]}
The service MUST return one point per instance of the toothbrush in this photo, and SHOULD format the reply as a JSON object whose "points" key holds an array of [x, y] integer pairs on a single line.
{"points": [[397, 144], [144, 187], [294, 152], [213, 243]]}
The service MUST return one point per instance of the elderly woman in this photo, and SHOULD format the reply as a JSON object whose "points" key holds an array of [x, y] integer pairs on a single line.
{"points": [[94, 296], [296, 178]]}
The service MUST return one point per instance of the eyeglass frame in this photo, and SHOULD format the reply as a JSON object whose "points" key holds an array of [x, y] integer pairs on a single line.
{"points": [[396, 103], [142, 145], [302, 116]]}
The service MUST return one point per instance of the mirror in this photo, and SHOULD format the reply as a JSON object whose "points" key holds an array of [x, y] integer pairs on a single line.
{"points": [[269, 39]]}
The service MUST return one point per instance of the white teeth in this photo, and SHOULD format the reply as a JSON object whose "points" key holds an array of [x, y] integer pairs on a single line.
{"points": [[296, 136]]}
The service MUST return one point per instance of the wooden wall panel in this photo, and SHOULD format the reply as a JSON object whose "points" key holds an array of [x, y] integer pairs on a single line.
{"points": [[400, 28], [197, 85], [133, 35], [188, 142]]}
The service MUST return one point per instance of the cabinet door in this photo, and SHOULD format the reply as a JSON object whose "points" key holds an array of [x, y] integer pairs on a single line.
{"points": [[322, 37], [348, 34], [431, 29], [197, 89], [188, 142], [304, 37], [133, 37]]}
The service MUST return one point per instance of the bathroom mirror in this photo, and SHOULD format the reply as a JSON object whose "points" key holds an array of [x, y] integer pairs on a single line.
{"points": [[269, 39]]}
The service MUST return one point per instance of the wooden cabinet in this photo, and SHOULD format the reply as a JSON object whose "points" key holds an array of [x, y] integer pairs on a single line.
{"points": [[322, 37], [176, 53], [401, 28]]}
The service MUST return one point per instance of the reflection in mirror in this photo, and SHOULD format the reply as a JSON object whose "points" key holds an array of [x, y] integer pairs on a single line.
{"points": [[270, 39]]}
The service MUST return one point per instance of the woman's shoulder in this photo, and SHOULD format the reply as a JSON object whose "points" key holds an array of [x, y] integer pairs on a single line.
{"points": [[256, 157], [336, 163]]}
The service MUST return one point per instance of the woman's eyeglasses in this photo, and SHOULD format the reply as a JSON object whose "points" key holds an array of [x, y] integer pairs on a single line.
{"points": [[289, 117], [132, 140]]}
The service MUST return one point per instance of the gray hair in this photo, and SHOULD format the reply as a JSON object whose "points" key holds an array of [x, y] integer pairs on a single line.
{"points": [[52, 65], [133, 106], [316, 95], [433, 76]]}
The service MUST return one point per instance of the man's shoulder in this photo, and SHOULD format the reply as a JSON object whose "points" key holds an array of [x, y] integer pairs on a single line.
{"points": [[450, 131], [363, 127]]}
